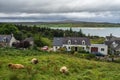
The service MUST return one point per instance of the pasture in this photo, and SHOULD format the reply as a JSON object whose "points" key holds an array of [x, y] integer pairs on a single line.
{"points": [[49, 66]]}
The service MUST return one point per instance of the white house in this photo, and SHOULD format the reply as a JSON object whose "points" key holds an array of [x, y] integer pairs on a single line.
{"points": [[79, 42], [7, 40], [99, 49], [69, 42]]}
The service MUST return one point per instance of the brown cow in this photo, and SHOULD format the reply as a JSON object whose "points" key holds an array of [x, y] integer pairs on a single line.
{"points": [[15, 66]]}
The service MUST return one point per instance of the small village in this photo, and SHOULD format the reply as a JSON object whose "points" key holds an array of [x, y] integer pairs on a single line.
{"points": [[31, 52], [111, 45]]}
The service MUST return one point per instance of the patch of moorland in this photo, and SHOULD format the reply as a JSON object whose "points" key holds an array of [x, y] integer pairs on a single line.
{"points": [[49, 65]]}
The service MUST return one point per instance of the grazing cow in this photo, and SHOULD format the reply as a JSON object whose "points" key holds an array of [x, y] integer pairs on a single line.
{"points": [[34, 61], [15, 66], [63, 69]]}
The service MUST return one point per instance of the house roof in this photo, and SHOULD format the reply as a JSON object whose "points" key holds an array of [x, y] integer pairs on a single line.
{"points": [[117, 41], [6, 37], [59, 41], [117, 48], [29, 39], [76, 40], [110, 41], [112, 38], [98, 45]]}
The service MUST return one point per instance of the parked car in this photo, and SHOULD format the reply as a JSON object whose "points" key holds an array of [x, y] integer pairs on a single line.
{"points": [[45, 48]]}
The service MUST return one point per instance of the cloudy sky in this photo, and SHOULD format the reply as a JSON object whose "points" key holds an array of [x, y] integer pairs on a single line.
{"points": [[60, 10]]}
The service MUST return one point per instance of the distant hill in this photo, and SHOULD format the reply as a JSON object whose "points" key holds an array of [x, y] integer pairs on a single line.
{"points": [[68, 23]]}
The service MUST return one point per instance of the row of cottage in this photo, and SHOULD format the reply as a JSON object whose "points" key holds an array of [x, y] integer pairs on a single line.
{"points": [[111, 42], [8, 40]]}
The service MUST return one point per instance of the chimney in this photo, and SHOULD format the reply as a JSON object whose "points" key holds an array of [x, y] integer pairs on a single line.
{"points": [[110, 34], [12, 35]]}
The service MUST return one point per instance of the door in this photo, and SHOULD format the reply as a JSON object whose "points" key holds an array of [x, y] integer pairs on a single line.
{"points": [[76, 48], [94, 49]]}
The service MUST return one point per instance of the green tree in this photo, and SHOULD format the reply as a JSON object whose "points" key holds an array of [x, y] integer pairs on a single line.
{"points": [[8, 29]]}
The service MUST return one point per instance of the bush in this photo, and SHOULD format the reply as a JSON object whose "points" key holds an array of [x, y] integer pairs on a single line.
{"points": [[84, 55], [90, 56]]}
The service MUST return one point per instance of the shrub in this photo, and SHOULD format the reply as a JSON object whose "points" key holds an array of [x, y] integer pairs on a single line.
{"points": [[90, 56]]}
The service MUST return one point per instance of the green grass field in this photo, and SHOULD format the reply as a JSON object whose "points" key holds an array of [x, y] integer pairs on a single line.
{"points": [[97, 40], [49, 65]]}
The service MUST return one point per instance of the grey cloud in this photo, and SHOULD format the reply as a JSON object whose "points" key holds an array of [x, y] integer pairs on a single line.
{"points": [[37, 10], [58, 6]]}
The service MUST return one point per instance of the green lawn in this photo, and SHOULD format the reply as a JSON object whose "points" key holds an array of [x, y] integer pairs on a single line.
{"points": [[97, 40], [49, 65]]}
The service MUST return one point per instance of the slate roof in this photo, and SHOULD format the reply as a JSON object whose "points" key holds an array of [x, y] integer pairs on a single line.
{"points": [[7, 37], [59, 41], [117, 41], [117, 48], [29, 39], [112, 39]]}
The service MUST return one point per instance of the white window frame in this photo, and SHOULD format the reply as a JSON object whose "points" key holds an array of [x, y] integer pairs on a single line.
{"points": [[69, 41], [102, 49], [83, 42]]}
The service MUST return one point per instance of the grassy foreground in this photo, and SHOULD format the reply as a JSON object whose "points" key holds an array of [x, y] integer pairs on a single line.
{"points": [[49, 65]]}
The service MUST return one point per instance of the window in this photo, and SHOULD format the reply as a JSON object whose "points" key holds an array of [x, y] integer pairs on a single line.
{"points": [[102, 49], [56, 47], [5, 39], [69, 41], [76, 48], [68, 47], [83, 42], [83, 48]]}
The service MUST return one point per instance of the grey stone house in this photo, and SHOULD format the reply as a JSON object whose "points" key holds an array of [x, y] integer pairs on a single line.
{"points": [[7, 40], [113, 43], [30, 40]]}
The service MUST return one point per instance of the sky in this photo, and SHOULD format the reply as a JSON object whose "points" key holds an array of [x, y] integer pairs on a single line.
{"points": [[60, 10]]}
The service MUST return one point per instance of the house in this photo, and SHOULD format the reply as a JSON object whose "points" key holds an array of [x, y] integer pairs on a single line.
{"points": [[7, 40], [99, 49], [26, 43], [113, 43], [70, 42], [30, 40], [75, 43]]}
